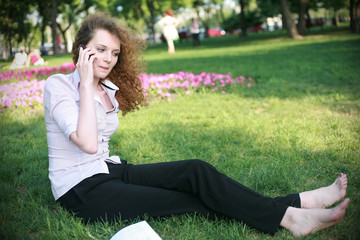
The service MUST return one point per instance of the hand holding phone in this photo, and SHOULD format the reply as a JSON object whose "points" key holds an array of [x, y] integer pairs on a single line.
{"points": [[83, 47], [84, 64]]}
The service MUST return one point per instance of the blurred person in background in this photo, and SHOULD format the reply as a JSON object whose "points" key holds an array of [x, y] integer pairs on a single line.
{"points": [[19, 60], [34, 59], [195, 31], [169, 24]]}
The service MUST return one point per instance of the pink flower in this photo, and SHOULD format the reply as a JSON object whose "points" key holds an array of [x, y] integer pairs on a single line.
{"points": [[167, 94]]}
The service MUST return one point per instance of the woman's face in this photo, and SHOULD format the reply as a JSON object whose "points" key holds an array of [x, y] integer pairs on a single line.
{"points": [[107, 50]]}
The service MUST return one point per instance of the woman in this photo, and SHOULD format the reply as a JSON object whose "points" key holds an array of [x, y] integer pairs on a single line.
{"points": [[19, 60], [169, 24], [81, 115], [34, 58]]}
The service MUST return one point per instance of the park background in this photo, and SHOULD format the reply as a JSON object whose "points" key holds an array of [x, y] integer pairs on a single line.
{"points": [[288, 121]]}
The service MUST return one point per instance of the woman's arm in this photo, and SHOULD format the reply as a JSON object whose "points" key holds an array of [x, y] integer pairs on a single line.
{"points": [[85, 137]]}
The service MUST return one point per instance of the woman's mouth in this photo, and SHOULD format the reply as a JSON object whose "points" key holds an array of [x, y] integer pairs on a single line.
{"points": [[104, 68]]}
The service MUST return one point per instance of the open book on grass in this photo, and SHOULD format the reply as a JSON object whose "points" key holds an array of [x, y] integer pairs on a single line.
{"points": [[137, 231]]}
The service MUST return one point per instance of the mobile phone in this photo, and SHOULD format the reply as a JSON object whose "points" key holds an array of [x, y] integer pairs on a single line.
{"points": [[81, 46], [84, 46]]}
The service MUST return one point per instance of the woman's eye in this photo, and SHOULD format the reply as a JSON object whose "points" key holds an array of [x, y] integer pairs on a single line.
{"points": [[116, 54], [100, 49]]}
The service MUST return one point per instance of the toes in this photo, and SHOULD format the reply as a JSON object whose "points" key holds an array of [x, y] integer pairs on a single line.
{"points": [[342, 180], [344, 204]]}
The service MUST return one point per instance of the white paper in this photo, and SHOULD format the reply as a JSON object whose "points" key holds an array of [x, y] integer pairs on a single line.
{"points": [[137, 231]]}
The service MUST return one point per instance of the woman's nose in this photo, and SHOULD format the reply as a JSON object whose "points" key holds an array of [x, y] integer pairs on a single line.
{"points": [[107, 57]]}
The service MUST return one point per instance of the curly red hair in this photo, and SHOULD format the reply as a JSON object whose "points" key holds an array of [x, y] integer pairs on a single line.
{"points": [[169, 12], [125, 74]]}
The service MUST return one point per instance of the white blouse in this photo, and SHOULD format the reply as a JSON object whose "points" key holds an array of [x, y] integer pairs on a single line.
{"points": [[68, 165]]}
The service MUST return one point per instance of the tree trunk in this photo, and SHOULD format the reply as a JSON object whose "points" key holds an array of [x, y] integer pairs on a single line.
{"points": [[65, 41], [355, 16], [242, 18], [63, 33], [302, 13], [43, 9], [309, 17], [8, 47], [151, 7], [43, 27], [336, 18], [289, 23], [53, 27]]}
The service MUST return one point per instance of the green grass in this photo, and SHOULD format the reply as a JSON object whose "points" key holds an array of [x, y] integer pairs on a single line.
{"points": [[296, 130]]}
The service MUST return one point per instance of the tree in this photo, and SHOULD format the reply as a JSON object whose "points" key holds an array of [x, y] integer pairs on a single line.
{"points": [[151, 24], [146, 11], [53, 15], [13, 23], [69, 12], [136, 10], [48, 11], [206, 6], [252, 18], [303, 5], [355, 16], [44, 19], [268, 8], [336, 5], [288, 21], [243, 6]]}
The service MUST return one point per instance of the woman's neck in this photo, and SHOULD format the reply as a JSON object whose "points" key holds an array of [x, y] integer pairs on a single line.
{"points": [[97, 86]]}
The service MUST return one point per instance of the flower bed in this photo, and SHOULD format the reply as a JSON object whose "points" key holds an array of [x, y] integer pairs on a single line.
{"points": [[28, 92], [39, 73], [22, 93], [166, 85]]}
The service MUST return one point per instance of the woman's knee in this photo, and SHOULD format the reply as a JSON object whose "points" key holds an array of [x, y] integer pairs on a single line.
{"points": [[200, 164]]}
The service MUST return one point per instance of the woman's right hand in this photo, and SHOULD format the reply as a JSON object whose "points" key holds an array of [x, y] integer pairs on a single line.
{"points": [[84, 66], [85, 137]]}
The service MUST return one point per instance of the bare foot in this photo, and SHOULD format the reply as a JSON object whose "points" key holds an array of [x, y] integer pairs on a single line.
{"points": [[326, 196], [302, 222]]}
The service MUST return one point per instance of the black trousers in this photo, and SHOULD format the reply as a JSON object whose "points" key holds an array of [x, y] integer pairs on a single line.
{"points": [[195, 39], [163, 189]]}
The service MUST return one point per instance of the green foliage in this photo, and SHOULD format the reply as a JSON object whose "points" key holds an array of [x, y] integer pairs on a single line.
{"points": [[252, 18], [13, 20], [295, 131], [269, 8], [232, 23], [336, 4]]}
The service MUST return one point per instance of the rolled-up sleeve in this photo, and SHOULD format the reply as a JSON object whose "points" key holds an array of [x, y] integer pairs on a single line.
{"points": [[61, 101]]}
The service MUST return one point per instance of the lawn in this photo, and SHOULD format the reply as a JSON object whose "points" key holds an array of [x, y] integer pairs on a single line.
{"points": [[296, 129]]}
